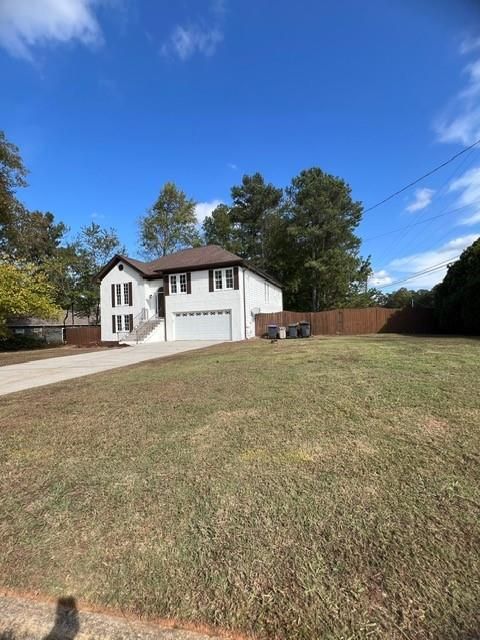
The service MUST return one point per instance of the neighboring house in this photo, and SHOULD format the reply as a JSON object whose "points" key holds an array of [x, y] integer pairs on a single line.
{"points": [[205, 293], [52, 330]]}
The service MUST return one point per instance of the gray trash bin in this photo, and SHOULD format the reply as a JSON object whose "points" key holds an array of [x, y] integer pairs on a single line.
{"points": [[305, 329], [272, 331], [293, 331]]}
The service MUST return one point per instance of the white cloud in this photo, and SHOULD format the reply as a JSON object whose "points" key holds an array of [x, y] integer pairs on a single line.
{"points": [[184, 42], [472, 219], [202, 37], [204, 209], [461, 122], [428, 259], [469, 44], [469, 187], [232, 165], [423, 197], [380, 279], [25, 24]]}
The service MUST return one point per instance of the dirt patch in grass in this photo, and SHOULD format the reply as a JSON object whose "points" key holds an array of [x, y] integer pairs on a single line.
{"points": [[435, 426], [304, 489]]}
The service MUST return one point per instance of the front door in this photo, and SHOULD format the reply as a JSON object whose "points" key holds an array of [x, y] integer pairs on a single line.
{"points": [[160, 303]]}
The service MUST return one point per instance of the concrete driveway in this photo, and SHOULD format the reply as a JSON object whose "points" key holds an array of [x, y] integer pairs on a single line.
{"points": [[28, 619], [17, 377]]}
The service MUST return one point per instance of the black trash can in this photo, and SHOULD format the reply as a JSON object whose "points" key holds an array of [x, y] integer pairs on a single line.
{"points": [[272, 331], [293, 331], [305, 329]]}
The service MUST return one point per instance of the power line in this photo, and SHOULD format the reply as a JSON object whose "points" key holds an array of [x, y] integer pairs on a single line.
{"points": [[415, 224], [418, 274], [426, 175]]}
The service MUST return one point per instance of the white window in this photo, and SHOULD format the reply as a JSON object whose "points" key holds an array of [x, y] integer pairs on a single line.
{"points": [[119, 321], [228, 278], [183, 282], [126, 323], [218, 279], [178, 283], [126, 294], [118, 291], [267, 292], [223, 279]]}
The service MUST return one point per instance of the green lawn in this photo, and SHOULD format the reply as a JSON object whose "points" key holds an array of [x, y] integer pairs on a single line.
{"points": [[324, 488]]}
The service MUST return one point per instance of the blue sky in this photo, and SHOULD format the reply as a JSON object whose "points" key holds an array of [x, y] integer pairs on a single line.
{"points": [[108, 99]]}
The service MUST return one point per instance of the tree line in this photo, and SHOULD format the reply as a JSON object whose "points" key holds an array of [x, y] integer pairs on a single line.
{"points": [[303, 234]]}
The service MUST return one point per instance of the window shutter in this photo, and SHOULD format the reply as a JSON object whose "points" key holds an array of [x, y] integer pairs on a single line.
{"points": [[166, 285], [113, 295], [131, 321], [114, 323], [130, 294], [235, 278], [189, 282], [210, 280]]}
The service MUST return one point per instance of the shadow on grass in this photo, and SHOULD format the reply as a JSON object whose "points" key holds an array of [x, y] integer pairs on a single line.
{"points": [[66, 624]]}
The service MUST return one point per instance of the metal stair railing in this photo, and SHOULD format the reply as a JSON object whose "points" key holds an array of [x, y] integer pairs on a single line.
{"points": [[143, 324]]}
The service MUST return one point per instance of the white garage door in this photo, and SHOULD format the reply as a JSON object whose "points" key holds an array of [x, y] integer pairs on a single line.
{"points": [[203, 325]]}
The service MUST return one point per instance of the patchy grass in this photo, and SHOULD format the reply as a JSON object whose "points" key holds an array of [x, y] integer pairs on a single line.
{"points": [[18, 357], [325, 488]]}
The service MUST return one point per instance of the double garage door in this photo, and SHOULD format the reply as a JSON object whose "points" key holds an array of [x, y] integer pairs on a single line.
{"points": [[203, 325]]}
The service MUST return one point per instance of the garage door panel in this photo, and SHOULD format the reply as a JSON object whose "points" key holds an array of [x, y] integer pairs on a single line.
{"points": [[204, 325]]}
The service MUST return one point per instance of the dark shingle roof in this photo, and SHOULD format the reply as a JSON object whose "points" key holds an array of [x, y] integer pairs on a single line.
{"points": [[210, 255]]}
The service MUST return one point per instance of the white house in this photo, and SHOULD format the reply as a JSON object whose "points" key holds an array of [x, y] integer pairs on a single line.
{"points": [[205, 293]]}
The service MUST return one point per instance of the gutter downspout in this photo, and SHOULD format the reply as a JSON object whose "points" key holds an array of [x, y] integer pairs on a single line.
{"points": [[244, 306]]}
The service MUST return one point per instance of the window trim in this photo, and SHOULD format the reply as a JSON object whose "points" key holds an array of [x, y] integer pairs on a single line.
{"points": [[119, 323], [126, 294], [215, 271], [126, 321], [184, 283], [231, 277], [267, 292], [175, 281], [223, 278]]}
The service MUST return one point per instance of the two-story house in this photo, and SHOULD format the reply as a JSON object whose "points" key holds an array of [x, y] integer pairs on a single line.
{"points": [[205, 293]]}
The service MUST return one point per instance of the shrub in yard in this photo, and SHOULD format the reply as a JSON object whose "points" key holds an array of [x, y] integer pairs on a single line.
{"points": [[17, 343]]}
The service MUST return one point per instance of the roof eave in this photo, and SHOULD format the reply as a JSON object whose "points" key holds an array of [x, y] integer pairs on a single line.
{"points": [[112, 262]]}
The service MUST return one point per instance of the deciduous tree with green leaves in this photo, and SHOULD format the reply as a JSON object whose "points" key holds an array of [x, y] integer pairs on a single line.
{"points": [[25, 291], [457, 298], [170, 224], [12, 176], [33, 236]]}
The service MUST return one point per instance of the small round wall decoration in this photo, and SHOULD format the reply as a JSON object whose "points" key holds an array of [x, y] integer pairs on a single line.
{"points": [[120, 267]]}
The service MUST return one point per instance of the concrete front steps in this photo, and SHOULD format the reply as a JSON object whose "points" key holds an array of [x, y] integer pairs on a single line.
{"points": [[152, 330]]}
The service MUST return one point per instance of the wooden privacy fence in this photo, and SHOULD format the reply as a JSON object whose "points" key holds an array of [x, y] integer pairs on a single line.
{"points": [[83, 335], [350, 322]]}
